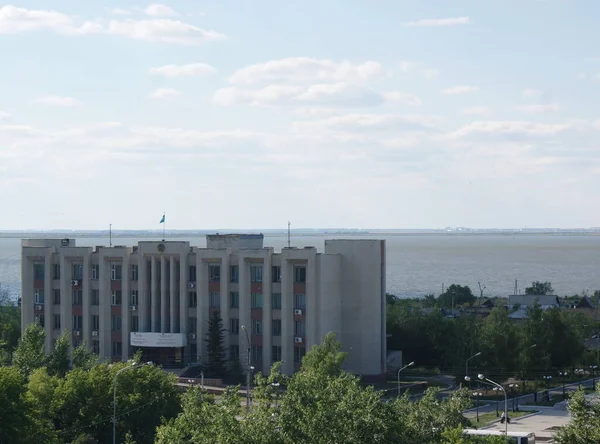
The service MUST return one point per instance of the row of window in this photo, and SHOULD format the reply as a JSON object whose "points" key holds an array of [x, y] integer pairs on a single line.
{"points": [[257, 327], [256, 273], [256, 300], [116, 271], [115, 322], [77, 297]]}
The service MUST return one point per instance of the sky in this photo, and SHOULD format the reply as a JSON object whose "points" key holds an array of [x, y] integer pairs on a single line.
{"points": [[347, 114]]}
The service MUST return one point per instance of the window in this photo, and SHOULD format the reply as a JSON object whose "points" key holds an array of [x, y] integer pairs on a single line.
{"points": [[234, 352], [78, 271], [256, 300], [95, 297], [299, 328], [214, 273], [135, 323], [256, 273], [276, 301], [257, 355], [38, 272], [234, 326], [116, 271], [256, 327], [77, 323], [276, 327], [95, 272], [134, 297], [96, 347], [276, 273], [56, 271], [234, 273], [214, 300], [115, 297], [192, 325], [115, 323], [299, 275], [41, 320], [56, 322], [95, 322], [56, 296], [77, 296], [39, 295], [192, 273], [299, 353], [116, 348], [134, 272], [300, 301], [234, 299], [192, 299], [276, 353]]}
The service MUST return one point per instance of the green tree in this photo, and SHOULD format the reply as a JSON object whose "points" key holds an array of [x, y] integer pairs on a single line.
{"points": [[215, 348], [84, 358], [58, 361], [455, 296], [29, 354], [539, 288], [584, 427], [13, 411], [10, 326], [499, 342]]}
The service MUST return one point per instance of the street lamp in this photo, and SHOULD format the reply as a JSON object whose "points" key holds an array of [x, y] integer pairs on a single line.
{"points": [[114, 418], [467, 363], [483, 378], [513, 389], [249, 370], [564, 377], [497, 399], [406, 366], [476, 394], [593, 369]]}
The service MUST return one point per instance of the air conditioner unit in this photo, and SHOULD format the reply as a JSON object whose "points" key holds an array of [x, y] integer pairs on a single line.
{"points": [[39, 307], [297, 311], [191, 285], [95, 333], [77, 333], [193, 335], [133, 308], [74, 282], [298, 340]]}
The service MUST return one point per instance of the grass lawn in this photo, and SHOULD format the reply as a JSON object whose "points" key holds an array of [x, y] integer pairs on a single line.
{"points": [[487, 418]]}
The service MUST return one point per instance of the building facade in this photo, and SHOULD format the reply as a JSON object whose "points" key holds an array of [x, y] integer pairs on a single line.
{"points": [[158, 297]]}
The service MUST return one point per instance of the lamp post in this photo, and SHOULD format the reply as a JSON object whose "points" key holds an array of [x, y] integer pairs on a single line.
{"points": [[497, 400], [564, 377], [467, 363], [514, 388], [249, 370], [495, 384], [476, 394], [114, 418], [406, 366], [593, 369]]}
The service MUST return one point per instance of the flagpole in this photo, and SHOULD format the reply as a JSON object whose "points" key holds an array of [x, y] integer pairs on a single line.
{"points": [[164, 225]]}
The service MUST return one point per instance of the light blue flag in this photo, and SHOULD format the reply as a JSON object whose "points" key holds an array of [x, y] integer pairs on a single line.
{"points": [[162, 221]]}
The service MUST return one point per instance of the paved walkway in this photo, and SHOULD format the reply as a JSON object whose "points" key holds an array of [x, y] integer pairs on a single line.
{"points": [[543, 423]]}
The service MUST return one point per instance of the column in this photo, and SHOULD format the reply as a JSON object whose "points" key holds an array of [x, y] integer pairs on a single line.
{"points": [[144, 301], [164, 314], [86, 296], [202, 308], [105, 333], [287, 315], [311, 303], [183, 289], [66, 298], [153, 294], [173, 296], [125, 312], [27, 299], [48, 300], [244, 310], [267, 314], [225, 298]]}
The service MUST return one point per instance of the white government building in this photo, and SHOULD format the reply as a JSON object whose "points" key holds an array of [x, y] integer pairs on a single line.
{"points": [[157, 297]]}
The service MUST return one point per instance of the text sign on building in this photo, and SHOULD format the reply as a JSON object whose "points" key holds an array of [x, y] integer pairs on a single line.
{"points": [[158, 339]]}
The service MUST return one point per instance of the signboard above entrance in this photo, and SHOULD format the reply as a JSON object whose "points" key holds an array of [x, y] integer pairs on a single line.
{"points": [[158, 339]]}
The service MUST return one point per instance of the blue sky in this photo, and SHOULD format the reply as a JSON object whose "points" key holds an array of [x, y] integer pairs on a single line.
{"points": [[239, 114]]}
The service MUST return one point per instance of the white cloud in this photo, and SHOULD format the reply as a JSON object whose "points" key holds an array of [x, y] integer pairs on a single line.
{"points": [[314, 112], [189, 70], [407, 65], [581, 76], [304, 69], [369, 122], [463, 89], [67, 102], [158, 10], [333, 94], [163, 31], [476, 110], [164, 93], [451, 21], [120, 11], [14, 20], [509, 128], [430, 73], [539, 108], [532, 93], [4, 116], [402, 97]]}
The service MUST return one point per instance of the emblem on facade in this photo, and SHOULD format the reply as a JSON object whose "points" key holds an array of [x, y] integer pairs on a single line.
{"points": [[161, 247]]}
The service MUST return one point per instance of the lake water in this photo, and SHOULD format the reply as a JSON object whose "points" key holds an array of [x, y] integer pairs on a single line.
{"points": [[420, 264]]}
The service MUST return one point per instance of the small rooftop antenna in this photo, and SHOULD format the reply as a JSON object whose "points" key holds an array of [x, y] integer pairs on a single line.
{"points": [[110, 235], [289, 234]]}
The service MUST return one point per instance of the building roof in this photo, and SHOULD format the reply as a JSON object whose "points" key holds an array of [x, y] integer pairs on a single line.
{"points": [[527, 300], [585, 303], [518, 314]]}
